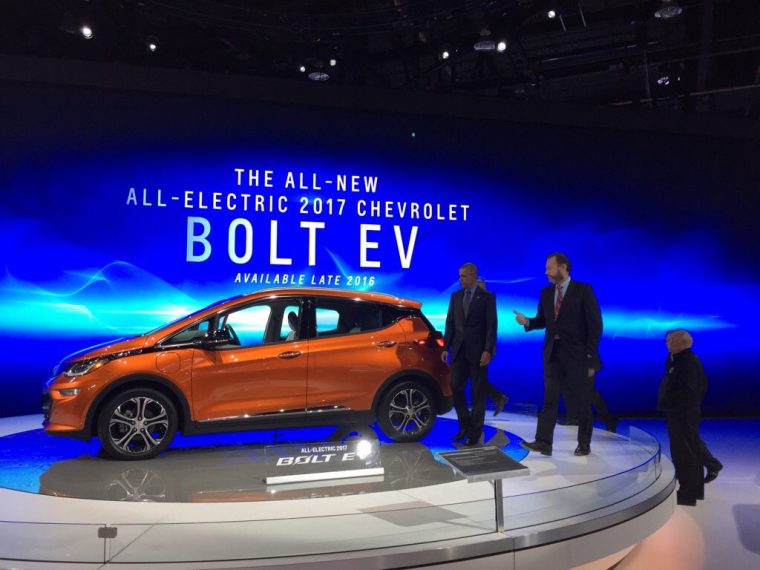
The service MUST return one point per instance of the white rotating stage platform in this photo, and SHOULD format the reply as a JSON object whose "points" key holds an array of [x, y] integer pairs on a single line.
{"points": [[564, 512]]}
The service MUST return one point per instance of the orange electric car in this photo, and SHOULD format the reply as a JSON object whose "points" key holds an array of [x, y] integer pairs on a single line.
{"points": [[274, 358]]}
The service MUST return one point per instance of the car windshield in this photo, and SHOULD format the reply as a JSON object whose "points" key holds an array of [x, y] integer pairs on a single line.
{"points": [[183, 317]]}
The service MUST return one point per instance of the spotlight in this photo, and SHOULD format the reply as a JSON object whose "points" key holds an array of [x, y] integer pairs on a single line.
{"points": [[551, 14], [485, 45], [333, 62], [363, 449], [501, 46], [302, 68], [152, 43], [668, 9], [86, 32], [318, 76], [152, 46], [445, 54]]}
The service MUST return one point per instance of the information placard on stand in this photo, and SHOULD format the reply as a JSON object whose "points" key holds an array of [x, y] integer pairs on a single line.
{"points": [[486, 464], [483, 463]]}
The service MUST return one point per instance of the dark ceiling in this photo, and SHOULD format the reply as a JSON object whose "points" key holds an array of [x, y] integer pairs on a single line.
{"points": [[609, 52]]}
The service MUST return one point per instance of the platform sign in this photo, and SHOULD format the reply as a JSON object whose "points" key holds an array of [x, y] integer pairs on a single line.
{"points": [[322, 461], [483, 464]]}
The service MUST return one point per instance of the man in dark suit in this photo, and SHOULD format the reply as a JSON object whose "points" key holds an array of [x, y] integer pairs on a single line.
{"points": [[569, 313], [469, 339]]}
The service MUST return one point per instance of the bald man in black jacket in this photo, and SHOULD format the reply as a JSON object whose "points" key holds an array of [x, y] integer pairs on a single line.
{"points": [[680, 398]]}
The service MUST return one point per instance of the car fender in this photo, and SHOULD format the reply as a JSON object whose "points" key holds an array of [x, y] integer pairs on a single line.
{"points": [[134, 381]]}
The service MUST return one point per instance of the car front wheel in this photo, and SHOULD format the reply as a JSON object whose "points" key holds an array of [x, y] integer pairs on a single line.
{"points": [[137, 424], [406, 412]]}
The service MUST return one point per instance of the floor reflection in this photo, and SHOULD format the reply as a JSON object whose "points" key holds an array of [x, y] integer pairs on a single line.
{"points": [[223, 469]]}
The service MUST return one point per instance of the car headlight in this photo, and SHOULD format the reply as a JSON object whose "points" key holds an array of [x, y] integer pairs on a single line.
{"points": [[82, 367]]}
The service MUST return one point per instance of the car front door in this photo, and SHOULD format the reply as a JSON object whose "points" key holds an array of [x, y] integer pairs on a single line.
{"points": [[260, 372]]}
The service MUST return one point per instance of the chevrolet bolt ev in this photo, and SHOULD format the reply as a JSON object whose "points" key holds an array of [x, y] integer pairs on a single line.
{"points": [[271, 359]]}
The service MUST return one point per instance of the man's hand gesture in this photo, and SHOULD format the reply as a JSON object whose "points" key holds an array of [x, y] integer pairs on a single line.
{"points": [[520, 318]]}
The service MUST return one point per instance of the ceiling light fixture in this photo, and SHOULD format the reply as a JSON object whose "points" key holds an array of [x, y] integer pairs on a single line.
{"points": [[319, 76], [668, 9], [485, 45], [152, 43]]}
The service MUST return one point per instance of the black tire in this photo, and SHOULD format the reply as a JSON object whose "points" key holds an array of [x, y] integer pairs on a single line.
{"points": [[137, 424], [407, 411]]}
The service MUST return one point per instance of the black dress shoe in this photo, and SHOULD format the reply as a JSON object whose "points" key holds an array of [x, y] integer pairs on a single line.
{"points": [[712, 473], [500, 403], [540, 447], [582, 450], [612, 425], [470, 441]]}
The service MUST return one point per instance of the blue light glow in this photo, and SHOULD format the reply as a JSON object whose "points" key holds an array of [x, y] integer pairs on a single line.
{"points": [[97, 242]]}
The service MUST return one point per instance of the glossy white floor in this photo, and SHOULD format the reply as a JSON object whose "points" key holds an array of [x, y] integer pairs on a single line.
{"points": [[723, 531], [567, 511]]}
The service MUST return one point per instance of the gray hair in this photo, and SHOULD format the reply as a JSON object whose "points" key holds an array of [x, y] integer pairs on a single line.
{"points": [[682, 337]]}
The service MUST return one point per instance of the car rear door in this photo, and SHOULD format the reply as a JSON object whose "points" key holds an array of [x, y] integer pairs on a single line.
{"points": [[351, 353]]}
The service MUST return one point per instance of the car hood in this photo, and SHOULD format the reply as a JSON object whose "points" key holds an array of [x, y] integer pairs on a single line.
{"points": [[109, 347]]}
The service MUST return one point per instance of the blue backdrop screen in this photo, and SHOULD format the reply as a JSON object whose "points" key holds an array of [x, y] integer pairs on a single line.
{"points": [[123, 211]]}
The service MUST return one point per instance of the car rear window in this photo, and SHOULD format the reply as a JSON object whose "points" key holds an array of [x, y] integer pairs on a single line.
{"points": [[351, 316]]}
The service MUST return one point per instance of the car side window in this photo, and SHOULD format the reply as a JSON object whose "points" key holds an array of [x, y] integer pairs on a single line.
{"points": [[192, 333], [327, 322], [348, 316], [291, 321], [248, 326]]}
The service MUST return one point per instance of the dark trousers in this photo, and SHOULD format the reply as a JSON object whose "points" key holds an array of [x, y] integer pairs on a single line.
{"points": [[597, 402], [493, 392], [686, 451], [461, 369], [710, 462], [566, 374]]}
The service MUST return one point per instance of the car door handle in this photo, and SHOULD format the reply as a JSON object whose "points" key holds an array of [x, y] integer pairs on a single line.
{"points": [[385, 343], [290, 354]]}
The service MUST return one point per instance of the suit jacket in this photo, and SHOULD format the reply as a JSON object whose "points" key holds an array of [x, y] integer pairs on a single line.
{"points": [[474, 334], [578, 325], [684, 383]]}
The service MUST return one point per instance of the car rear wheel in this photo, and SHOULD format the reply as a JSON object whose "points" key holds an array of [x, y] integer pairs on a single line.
{"points": [[137, 424], [406, 412]]}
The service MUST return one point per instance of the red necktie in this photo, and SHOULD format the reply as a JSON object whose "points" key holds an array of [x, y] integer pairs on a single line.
{"points": [[558, 302]]}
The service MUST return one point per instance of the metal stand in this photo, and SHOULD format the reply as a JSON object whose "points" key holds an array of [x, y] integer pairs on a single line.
{"points": [[499, 505]]}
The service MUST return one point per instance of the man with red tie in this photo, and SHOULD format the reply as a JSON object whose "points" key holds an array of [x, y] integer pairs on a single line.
{"points": [[569, 313]]}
